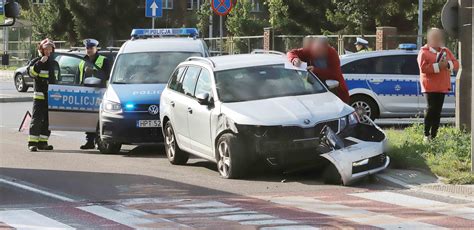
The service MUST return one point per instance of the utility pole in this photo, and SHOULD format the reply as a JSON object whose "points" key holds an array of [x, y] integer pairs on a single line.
{"points": [[419, 40]]}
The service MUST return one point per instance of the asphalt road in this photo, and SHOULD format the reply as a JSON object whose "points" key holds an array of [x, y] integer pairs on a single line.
{"points": [[138, 188]]}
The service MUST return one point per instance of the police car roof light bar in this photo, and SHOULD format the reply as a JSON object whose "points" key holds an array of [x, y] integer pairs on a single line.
{"points": [[145, 33], [407, 46], [202, 59], [260, 51]]}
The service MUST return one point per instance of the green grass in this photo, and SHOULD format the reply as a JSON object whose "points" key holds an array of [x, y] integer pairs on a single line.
{"points": [[448, 156], [9, 68]]}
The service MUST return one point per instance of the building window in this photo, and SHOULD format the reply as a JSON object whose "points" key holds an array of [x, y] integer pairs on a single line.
{"points": [[194, 4], [39, 1], [256, 7], [168, 4]]}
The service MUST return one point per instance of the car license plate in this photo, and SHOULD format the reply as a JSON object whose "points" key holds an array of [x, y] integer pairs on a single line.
{"points": [[148, 123]]}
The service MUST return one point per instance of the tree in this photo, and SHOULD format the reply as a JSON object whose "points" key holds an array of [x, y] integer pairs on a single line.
{"points": [[298, 16], [241, 21], [53, 21], [203, 15]]}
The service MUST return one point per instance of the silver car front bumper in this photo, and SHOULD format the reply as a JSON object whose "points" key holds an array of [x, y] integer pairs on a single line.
{"points": [[360, 155]]}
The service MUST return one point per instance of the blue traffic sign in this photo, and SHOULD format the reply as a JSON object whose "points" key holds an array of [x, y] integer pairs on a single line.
{"points": [[154, 8], [222, 7]]}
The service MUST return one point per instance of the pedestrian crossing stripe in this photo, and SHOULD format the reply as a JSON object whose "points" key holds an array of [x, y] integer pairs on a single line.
{"points": [[338, 210]]}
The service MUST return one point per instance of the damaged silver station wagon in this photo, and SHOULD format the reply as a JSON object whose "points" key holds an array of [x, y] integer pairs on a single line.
{"points": [[236, 110]]}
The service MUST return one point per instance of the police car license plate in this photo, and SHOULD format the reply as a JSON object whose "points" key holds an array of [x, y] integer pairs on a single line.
{"points": [[148, 123]]}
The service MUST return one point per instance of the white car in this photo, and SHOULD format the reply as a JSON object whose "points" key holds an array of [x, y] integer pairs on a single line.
{"points": [[386, 84], [237, 109]]}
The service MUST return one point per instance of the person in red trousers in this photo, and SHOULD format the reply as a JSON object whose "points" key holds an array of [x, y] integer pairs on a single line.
{"points": [[322, 60]]}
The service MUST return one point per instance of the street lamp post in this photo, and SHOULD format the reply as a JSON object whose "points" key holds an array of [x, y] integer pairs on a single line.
{"points": [[419, 40]]}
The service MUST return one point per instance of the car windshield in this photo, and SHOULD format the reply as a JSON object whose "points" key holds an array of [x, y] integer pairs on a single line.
{"points": [[147, 68], [262, 82]]}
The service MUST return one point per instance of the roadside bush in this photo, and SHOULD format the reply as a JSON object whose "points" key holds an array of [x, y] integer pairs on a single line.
{"points": [[448, 156]]}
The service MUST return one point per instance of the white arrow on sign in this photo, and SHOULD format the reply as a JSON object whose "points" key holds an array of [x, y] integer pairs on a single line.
{"points": [[153, 7]]}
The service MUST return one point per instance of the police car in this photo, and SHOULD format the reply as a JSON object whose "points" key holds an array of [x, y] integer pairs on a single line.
{"points": [[386, 83], [237, 109], [129, 112]]}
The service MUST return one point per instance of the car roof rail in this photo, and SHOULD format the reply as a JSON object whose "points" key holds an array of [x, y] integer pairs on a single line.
{"points": [[261, 51], [202, 59]]}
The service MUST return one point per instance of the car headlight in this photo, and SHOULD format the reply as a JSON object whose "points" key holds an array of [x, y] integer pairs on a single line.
{"points": [[112, 107], [351, 119]]}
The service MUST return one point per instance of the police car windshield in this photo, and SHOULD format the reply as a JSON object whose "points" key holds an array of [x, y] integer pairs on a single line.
{"points": [[262, 82], [147, 68]]}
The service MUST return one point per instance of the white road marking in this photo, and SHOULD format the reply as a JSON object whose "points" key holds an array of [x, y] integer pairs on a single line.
{"points": [[120, 217], [194, 211], [419, 203], [209, 204], [267, 222], [292, 227], [360, 216], [35, 190], [135, 201], [27, 219], [241, 217]]}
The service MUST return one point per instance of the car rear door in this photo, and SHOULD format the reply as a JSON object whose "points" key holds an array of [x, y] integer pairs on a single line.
{"points": [[397, 91], [199, 116], [72, 107]]}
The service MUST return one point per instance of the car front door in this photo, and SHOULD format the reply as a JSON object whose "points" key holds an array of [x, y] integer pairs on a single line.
{"points": [[180, 100], [397, 91], [72, 107], [199, 116]]}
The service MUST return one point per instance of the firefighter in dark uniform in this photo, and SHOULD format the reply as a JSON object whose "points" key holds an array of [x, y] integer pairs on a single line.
{"points": [[42, 70], [93, 65]]}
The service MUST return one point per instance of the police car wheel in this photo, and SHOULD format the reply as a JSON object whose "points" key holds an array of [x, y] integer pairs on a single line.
{"points": [[175, 155], [331, 175], [106, 147], [365, 106], [230, 156], [20, 84]]}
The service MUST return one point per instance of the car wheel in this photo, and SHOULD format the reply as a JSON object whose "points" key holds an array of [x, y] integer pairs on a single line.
{"points": [[365, 106], [107, 147], [175, 155], [230, 157], [20, 84]]}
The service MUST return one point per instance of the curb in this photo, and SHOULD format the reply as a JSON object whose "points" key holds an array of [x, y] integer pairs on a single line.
{"points": [[465, 192], [15, 99]]}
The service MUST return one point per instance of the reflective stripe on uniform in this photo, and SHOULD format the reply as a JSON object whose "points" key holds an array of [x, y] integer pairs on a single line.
{"points": [[33, 72], [32, 138], [44, 74], [99, 62], [43, 138], [38, 95]]}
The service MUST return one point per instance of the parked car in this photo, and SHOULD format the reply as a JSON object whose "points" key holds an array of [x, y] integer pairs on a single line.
{"points": [[23, 81], [239, 109], [386, 84]]}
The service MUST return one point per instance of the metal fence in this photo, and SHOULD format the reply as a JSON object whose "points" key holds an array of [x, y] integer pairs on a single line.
{"points": [[282, 43]]}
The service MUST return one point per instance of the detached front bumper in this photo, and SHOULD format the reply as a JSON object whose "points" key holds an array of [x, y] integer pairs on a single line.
{"points": [[359, 160]]}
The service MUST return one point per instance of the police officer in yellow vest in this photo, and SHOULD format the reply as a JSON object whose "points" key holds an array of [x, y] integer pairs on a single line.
{"points": [[362, 45], [93, 65]]}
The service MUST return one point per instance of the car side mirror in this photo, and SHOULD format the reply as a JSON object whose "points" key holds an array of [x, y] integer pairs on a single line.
{"points": [[332, 84], [92, 82], [203, 99], [11, 11]]}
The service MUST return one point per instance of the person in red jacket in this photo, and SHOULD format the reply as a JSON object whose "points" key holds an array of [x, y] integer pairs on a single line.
{"points": [[436, 63], [323, 61]]}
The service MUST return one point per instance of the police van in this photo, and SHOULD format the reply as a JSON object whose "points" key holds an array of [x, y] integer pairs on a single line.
{"points": [[387, 83], [129, 111]]}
